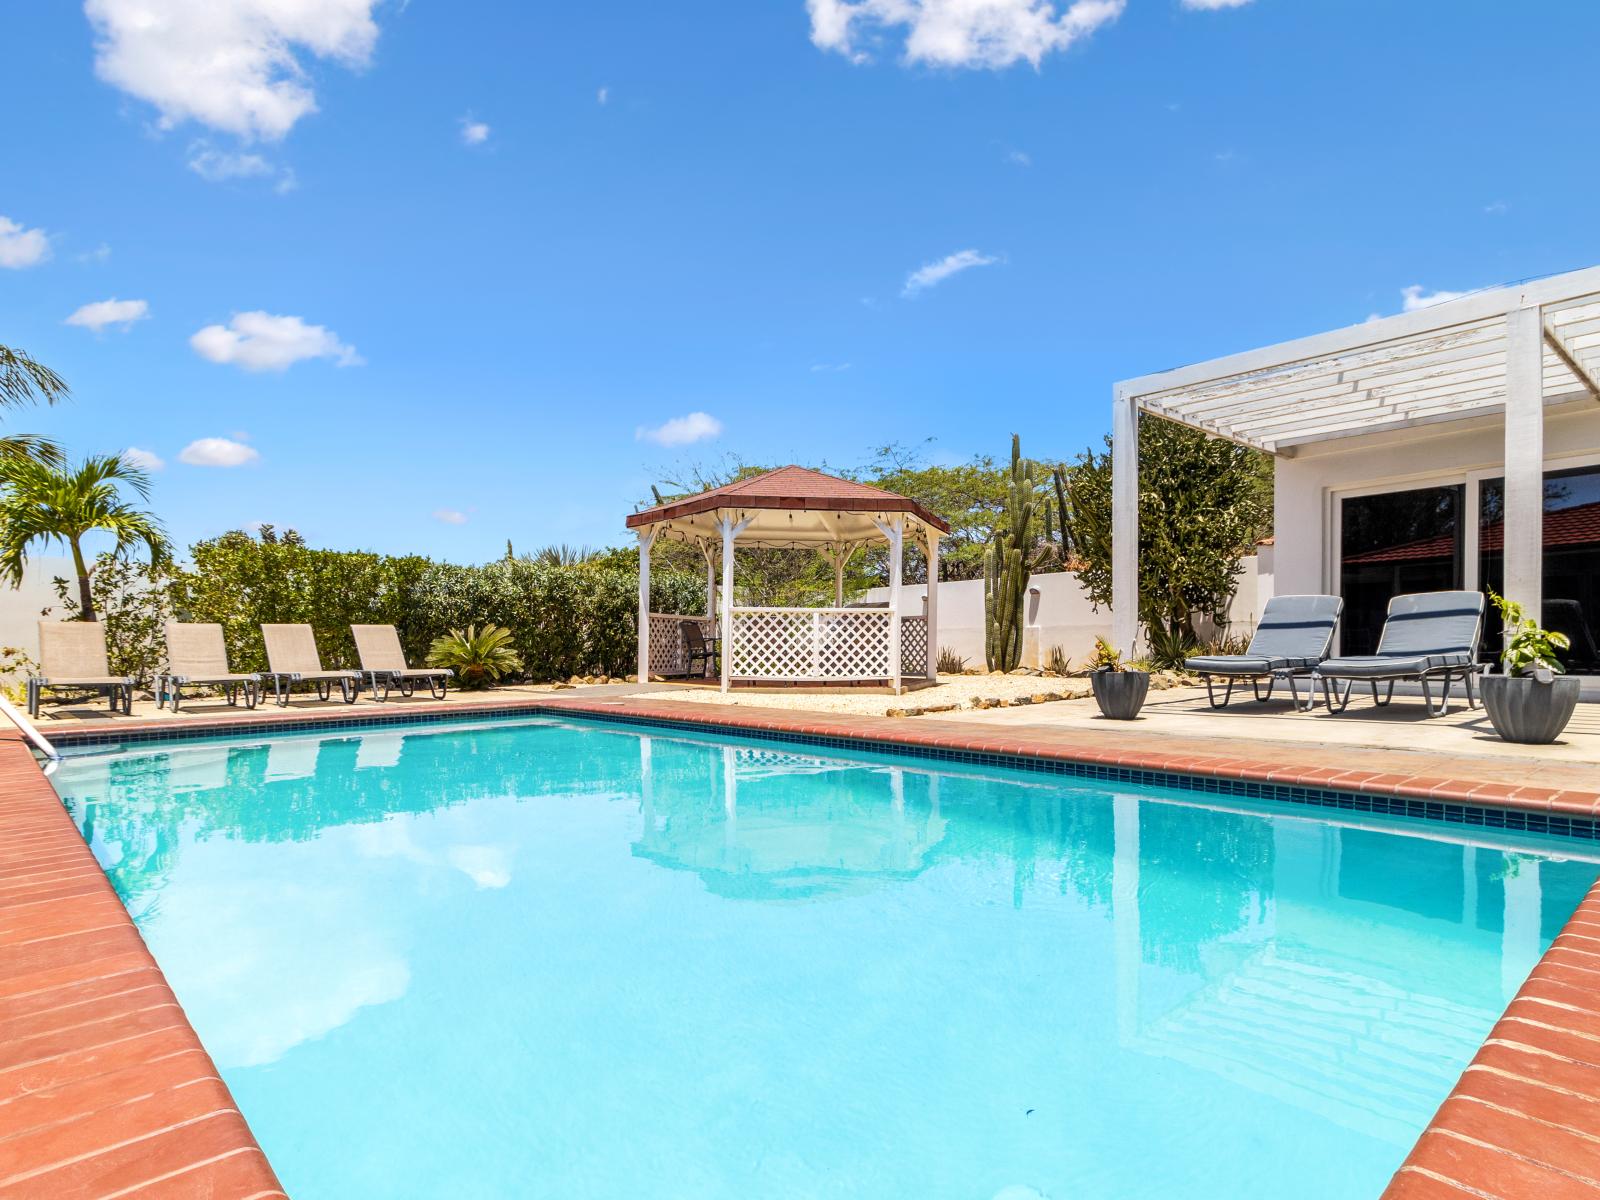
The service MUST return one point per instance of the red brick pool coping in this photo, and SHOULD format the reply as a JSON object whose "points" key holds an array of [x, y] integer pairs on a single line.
{"points": [[105, 1089]]}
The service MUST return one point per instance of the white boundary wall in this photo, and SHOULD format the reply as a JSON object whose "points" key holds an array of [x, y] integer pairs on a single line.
{"points": [[1058, 613]]}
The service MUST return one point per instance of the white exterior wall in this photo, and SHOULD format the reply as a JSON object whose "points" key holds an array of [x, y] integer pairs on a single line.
{"points": [[1310, 485], [1058, 613], [20, 607]]}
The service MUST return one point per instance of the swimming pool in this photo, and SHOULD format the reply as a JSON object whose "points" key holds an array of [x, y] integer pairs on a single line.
{"points": [[537, 956]]}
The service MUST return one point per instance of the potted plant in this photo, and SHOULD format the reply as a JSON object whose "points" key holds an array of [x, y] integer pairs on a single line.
{"points": [[1118, 690], [1527, 702]]}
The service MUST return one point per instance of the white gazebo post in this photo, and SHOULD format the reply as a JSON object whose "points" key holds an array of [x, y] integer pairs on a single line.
{"points": [[647, 538], [707, 553], [1125, 522], [1524, 494], [932, 613], [894, 529], [730, 529]]}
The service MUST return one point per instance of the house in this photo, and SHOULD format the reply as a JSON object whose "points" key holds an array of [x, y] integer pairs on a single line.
{"points": [[1457, 446]]}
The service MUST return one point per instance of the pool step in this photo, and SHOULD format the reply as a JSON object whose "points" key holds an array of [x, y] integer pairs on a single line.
{"points": [[1351, 1048]]}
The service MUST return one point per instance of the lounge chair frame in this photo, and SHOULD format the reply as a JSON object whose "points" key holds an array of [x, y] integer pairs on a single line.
{"points": [[200, 661], [1279, 667], [1447, 672], [284, 682], [402, 677], [95, 678]]}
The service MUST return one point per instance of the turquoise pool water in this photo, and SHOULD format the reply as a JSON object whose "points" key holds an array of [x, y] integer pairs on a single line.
{"points": [[542, 958]]}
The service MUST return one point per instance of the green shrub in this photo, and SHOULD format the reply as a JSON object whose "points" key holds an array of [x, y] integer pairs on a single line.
{"points": [[478, 657], [565, 618]]}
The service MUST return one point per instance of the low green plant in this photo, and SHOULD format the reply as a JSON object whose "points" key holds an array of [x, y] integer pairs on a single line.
{"points": [[1056, 661], [1106, 657], [951, 663], [15, 666], [478, 657], [1529, 648], [1169, 647]]}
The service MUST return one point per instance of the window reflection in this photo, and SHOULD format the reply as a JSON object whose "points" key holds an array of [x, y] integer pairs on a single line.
{"points": [[1571, 561], [1392, 544]]}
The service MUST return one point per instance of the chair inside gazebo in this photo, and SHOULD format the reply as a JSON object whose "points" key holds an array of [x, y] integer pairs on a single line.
{"points": [[794, 508]]}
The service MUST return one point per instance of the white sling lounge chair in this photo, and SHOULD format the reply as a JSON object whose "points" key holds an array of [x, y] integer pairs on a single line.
{"points": [[292, 658], [197, 656], [1292, 638], [1427, 637], [383, 663], [72, 657]]}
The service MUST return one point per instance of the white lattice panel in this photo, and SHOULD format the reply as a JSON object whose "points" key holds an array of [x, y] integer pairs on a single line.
{"points": [[810, 644], [914, 646], [667, 654]]}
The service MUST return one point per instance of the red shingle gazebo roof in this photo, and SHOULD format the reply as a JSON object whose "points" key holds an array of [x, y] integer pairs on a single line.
{"points": [[790, 489]]}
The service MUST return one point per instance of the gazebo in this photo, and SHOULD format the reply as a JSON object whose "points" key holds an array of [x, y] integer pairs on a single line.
{"points": [[796, 508]]}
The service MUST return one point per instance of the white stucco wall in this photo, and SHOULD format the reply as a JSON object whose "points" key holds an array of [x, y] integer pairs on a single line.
{"points": [[1458, 452], [20, 606]]}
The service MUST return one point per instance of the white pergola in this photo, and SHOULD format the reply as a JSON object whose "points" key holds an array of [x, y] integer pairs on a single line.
{"points": [[1515, 350], [796, 508]]}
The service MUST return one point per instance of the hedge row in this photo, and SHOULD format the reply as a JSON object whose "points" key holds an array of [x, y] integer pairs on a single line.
{"points": [[567, 619]]}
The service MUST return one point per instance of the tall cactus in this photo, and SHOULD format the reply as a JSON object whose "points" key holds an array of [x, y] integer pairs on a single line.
{"points": [[1008, 560]]}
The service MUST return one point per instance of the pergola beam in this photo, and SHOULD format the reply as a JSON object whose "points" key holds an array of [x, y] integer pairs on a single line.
{"points": [[1553, 339]]}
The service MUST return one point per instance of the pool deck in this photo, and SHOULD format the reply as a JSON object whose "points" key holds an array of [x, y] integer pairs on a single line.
{"points": [[105, 1090]]}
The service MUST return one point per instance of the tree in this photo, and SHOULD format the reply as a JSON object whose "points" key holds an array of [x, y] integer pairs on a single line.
{"points": [[24, 381], [1204, 503], [970, 496], [47, 502]]}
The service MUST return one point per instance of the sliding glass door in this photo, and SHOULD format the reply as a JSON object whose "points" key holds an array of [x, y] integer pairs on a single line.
{"points": [[1571, 561], [1390, 544]]}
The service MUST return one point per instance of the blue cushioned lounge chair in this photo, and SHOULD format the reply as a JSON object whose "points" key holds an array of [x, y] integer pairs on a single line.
{"points": [[1427, 637], [1292, 638]]}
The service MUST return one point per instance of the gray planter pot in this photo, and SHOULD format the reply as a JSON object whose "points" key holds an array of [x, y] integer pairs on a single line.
{"points": [[1120, 694], [1522, 709]]}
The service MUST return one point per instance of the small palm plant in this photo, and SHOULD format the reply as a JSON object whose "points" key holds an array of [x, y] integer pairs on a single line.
{"points": [[43, 501], [478, 657]]}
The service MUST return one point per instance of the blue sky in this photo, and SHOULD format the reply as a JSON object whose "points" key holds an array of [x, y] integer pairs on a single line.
{"points": [[418, 277]]}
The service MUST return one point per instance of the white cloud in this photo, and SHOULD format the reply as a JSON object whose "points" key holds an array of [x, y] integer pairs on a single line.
{"points": [[473, 133], [145, 460], [259, 341], [450, 516], [1213, 5], [829, 368], [1497, 208], [1416, 298], [99, 254], [217, 452], [959, 33], [934, 273], [101, 313], [232, 65], [217, 166], [21, 247], [1019, 158], [681, 431], [603, 96]]}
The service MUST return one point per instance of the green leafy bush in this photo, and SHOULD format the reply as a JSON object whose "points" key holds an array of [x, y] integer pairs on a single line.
{"points": [[565, 618]]}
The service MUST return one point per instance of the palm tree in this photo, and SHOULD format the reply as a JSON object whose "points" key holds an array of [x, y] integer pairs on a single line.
{"points": [[25, 381], [47, 502]]}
